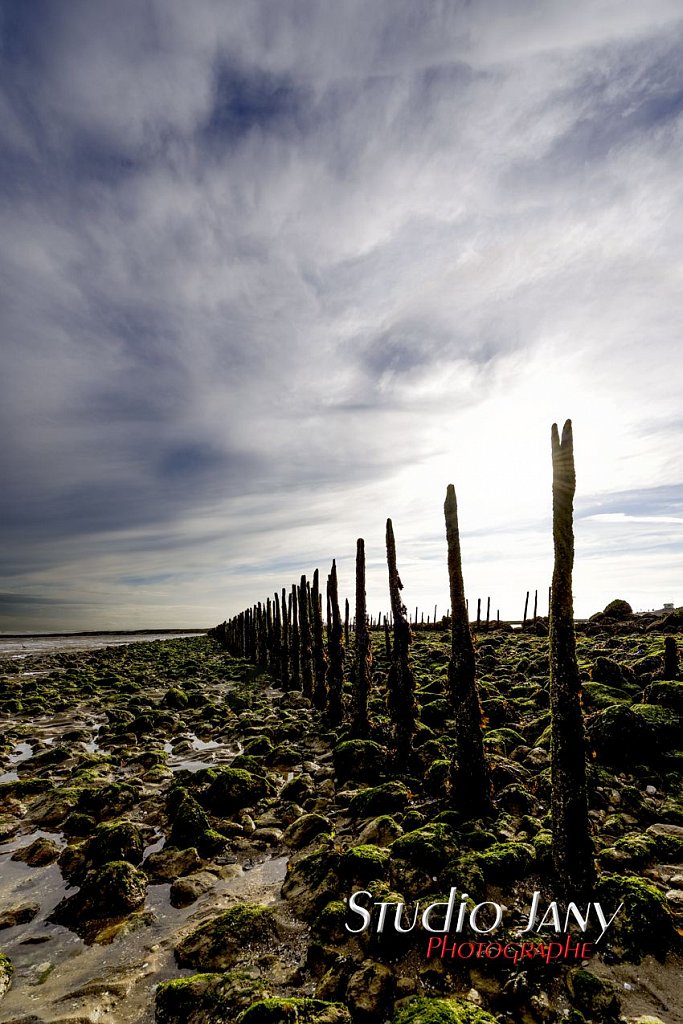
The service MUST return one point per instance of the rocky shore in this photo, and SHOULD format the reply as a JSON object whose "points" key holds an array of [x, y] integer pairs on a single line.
{"points": [[178, 839]]}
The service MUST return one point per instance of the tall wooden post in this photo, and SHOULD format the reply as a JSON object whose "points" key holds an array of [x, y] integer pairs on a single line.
{"points": [[572, 845], [469, 771], [401, 682], [361, 683]]}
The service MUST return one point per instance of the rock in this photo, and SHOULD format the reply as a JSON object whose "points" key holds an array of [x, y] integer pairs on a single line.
{"points": [[304, 830], [114, 890], [169, 864], [218, 944], [22, 914], [189, 888], [206, 997], [644, 925], [6, 972], [619, 737], [38, 853], [369, 993], [380, 832], [506, 862], [387, 798], [116, 840], [311, 882], [591, 995], [675, 899], [295, 1011], [267, 836], [421, 1010], [233, 789]]}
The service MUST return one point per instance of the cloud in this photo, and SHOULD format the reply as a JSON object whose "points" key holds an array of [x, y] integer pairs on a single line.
{"points": [[277, 271]]}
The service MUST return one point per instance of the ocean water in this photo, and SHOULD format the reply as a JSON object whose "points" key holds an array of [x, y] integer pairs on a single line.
{"points": [[26, 646]]}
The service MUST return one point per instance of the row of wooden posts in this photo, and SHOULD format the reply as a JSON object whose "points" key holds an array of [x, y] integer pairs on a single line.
{"points": [[286, 637]]}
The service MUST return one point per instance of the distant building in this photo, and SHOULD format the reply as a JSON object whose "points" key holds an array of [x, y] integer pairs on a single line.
{"points": [[668, 607]]}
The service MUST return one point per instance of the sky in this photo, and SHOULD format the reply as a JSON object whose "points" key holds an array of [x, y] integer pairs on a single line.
{"points": [[275, 270]]}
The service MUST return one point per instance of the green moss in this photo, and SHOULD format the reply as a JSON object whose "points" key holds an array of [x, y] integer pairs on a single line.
{"points": [[504, 740], [644, 925], [387, 798], [364, 863], [506, 862], [592, 995], [428, 848], [217, 944], [361, 760], [295, 1011], [442, 1011], [234, 788]]}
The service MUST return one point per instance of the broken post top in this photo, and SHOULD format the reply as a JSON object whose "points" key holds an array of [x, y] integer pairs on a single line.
{"points": [[564, 475]]}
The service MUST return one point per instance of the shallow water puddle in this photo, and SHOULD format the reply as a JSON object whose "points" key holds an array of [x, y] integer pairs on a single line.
{"points": [[57, 974]]}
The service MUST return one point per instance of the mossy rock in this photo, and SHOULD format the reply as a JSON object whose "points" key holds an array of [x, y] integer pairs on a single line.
{"points": [[619, 737], [665, 723], [233, 789], [295, 1011], [175, 698], [644, 924], [618, 609], [506, 862], [504, 740], [188, 820], [6, 974], [363, 864], [437, 778], [668, 694], [114, 890], [206, 998], [312, 881], [359, 760], [218, 944], [421, 1010], [592, 995], [305, 829], [436, 712], [428, 848], [597, 696], [381, 831], [116, 840], [387, 798]]}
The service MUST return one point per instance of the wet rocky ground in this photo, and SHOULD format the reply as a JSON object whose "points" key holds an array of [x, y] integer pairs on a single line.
{"points": [[178, 838]]}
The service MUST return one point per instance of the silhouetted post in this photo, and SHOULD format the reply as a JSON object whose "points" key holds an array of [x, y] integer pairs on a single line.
{"points": [[401, 682], [335, 651], [284, 646], [387, 639], [295, 642], [488, 613], [478, 612], [670, 658], [361, 683], [469, 771], [276, 658], [346, 621], [305, 641], [572, 844], [535, 603], [319, 659], [526, 606]]}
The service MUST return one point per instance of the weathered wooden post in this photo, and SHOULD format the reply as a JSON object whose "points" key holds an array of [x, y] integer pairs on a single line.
{"points": [[305, 641], [488, 613], [535, 603], [284, 646], [335, 651], [670, 658], [319, 659], [526, 607], [572, 845], [387, 639], [401, 682], [469, 771], [360, 725], [295, 682]]}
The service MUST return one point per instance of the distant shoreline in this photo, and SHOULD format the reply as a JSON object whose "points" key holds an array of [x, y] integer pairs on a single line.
{"points": [[101, 632]]}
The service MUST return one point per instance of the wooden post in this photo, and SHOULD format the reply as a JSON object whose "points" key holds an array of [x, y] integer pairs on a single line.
{"points": [[572, 846], [469, 771], [535, 603], [488, 613], [526, 606], [335, 652], [401, 682], [360, 725]]}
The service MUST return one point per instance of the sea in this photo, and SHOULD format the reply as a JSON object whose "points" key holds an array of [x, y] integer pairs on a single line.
{"points": [[17, 645]]}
